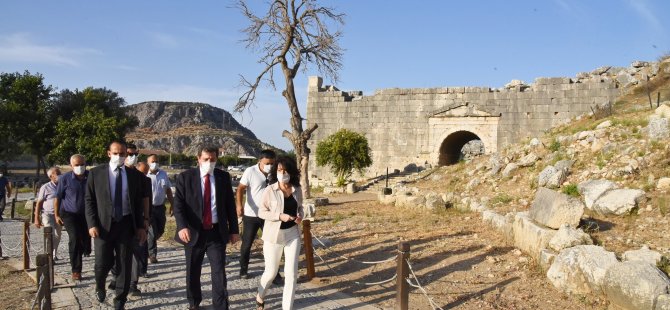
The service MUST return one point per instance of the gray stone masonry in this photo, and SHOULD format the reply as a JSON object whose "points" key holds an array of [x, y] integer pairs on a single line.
{"points": [[417, 125]]}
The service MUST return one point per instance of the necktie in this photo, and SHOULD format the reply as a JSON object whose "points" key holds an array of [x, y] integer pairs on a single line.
{"points": [[207, 205], [118, 196]]}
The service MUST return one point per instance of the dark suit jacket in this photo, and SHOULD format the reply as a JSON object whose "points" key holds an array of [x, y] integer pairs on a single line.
{"points": [[99, 208], [188, 204]]}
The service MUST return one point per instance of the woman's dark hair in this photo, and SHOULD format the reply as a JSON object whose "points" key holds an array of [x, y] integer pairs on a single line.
{"points": [[289, 167]]}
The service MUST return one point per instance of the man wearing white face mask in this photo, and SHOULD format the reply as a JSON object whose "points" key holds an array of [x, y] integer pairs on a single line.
{"points": [[161, 188], [253, 182], [44, 210], [5, 191], [204, 209], [69, 212]]}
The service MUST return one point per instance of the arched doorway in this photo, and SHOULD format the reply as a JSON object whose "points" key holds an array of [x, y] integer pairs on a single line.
{"points": [[452, 146]]}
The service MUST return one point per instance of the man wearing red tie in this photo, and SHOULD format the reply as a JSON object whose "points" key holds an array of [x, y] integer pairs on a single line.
{"points": [[204, 209]]}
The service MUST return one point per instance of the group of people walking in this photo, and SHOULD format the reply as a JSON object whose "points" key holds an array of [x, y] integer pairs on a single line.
{"points": [[121, 206]]}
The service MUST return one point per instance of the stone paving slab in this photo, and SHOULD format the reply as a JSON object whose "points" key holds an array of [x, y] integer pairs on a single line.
{"points": [[165, 286]]}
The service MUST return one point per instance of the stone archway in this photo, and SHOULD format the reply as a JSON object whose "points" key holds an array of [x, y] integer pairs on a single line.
{"points": [[450, 149]]}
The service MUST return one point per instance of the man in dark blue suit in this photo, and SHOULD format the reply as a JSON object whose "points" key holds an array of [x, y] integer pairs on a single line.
{"points": [[204, 209]]}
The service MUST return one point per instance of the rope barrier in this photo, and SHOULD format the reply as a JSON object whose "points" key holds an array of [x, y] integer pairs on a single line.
{"points": [[353, 259], [37, 295], [432, 303], [357, 282]]}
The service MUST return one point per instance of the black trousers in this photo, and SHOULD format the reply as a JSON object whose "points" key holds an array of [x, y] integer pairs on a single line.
{"points": [[79, 241], [138, 262], [210, 242], [157, 228], [116, 248], [250, 227]]}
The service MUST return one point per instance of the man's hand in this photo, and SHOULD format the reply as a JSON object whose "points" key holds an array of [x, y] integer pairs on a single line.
{"points": [[298, 220], [185, 235], [234, 238], [59, 220], [37, 222], [141, 235], [93, 232]]}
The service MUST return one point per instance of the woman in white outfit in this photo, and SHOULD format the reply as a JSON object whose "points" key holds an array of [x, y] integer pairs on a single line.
{"points": [[282, 210]]}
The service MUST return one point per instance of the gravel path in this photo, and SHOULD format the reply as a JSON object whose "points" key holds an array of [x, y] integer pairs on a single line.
{"points": [[165, 286]]}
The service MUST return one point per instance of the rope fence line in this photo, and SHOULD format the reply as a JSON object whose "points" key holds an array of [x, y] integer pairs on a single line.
{"points": [[353, 259], [418, 285], [357, 282]]}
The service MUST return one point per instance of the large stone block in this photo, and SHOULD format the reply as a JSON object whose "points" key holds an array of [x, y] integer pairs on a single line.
{"points": [[567, 237], [553, 209], [503, 223], [619, 201], [658, 128], [634, 285], [644, 254], [591, 190], [529, 236], [581, 269]]}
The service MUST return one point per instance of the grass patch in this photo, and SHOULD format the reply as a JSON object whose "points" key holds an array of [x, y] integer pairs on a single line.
{"points": [[501, 199], [571, 190], [663, 204], [337, 218], [664, 264], [555, 145]]}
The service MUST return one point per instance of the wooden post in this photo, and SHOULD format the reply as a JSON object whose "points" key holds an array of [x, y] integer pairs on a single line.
{"points": [[13, 208], [309, 250], [26, 253], [48, 249], [1, 257], [402, 287], [43, 291], [32, 211]]}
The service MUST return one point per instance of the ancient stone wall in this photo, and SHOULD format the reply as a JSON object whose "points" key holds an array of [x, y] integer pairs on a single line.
{"points": [[423, 126]]}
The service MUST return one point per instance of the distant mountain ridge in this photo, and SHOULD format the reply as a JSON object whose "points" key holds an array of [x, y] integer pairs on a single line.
{"points": [[184, 127]]}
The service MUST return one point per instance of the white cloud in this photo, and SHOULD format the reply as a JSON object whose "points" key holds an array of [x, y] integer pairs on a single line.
{"points": [[646, 13], [163, 39], [19, 47]]}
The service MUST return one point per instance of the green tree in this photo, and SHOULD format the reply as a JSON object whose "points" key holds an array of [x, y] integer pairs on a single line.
{"points": [[26, 116], [87, 121], [344, 151], [288, 36]]}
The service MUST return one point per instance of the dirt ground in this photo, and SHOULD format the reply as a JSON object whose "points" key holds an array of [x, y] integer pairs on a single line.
{"points": [[23, 292], [461, 262]]}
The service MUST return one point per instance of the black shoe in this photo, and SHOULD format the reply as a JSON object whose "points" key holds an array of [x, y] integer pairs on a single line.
{"points": [[278, 280], [119, 305], [112, 285], [100, 295], [134, 292], [144, 275]]}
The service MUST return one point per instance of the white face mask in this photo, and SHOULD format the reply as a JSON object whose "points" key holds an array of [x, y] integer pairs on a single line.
{"points": [[267, 168], [79, 170], [116, 161], [206, 167], [131, 160], [283, 177], [153, 166], [0, 175]]}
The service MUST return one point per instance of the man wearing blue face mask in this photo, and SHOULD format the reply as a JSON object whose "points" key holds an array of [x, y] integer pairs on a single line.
{"points": [[253, 182]]}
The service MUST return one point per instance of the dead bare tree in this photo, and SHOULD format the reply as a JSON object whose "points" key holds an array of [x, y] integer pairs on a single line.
{"points": [[290, 34]]}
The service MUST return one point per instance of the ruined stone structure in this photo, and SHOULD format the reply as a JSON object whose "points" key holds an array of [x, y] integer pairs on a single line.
{"points": [[429, 126]]}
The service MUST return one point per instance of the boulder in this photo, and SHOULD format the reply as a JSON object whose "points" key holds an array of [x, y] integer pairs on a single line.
{"points": [[644, 254], [663, 110], [618, 201], [639, 64], [580, 269], [546, 259], [528, 160], [535, 142], [634, 285], [663, 302], [567, 237], [351, 188], [545, 175], [658, 128], [663, 184], [529, 236], [565, 165], [386, 199], [511, 167], [553, 209], [434, 201], [502, 223], [604, 124], [414, 201], [591, 190]]}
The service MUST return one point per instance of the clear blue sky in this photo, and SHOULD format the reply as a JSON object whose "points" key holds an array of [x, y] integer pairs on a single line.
{"points": [[190, 50]]}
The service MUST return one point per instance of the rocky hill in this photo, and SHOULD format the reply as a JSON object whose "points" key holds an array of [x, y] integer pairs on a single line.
{"points": [[183, 127], [589, 201]]}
